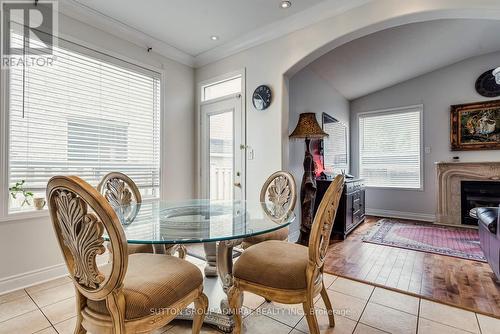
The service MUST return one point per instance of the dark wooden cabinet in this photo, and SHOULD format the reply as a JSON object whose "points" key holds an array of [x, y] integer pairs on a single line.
{"points": [[351, 210]]}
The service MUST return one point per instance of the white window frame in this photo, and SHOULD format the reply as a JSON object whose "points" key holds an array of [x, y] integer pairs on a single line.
{"points": [[218, 80], [396, 110], [5, 216]]}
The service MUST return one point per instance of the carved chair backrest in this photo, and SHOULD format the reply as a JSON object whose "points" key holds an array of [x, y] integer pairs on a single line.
{"points": [[323, 222], [280, 192], [80, 215], [119, 189]]}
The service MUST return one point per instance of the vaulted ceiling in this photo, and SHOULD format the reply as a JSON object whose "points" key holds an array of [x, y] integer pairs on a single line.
{"points": [[391, 56]]}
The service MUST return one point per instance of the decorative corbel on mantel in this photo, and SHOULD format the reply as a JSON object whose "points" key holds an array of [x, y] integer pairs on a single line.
{"points": [[449, 178]]}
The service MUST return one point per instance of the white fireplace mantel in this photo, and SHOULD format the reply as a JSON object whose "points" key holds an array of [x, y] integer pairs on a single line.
{"points": [[449, 178]]}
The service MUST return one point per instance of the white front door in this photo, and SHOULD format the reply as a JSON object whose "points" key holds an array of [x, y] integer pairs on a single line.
{"points": [[223, 149]]}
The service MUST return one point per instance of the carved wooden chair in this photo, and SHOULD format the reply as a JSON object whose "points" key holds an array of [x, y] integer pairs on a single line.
{"points": [[136, 293], [289, 273], [120, 190], [280, 192]]}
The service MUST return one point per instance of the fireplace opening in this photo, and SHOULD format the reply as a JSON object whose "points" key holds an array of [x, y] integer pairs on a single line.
{"points": [[478, 194]]}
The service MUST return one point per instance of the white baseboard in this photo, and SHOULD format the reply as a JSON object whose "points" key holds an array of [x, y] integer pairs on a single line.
{"points": [[30, 278], [33, 277], [401, 215]]}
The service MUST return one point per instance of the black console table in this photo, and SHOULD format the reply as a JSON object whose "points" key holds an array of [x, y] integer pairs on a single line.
{"points": [[351, 210]]}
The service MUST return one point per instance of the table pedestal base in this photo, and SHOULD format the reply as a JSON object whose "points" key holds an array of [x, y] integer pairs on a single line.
{"points": [[216, 288], [224, 323], [211, 259], [225, 271]]}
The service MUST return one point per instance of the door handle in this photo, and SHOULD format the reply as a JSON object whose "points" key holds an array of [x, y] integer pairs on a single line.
{"points": [[237, 184]]}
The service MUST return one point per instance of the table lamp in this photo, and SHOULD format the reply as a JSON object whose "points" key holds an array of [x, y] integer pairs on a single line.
{"points": [[307, 128]]}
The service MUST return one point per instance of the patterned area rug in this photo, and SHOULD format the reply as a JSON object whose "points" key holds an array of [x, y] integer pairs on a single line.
{"points": [[444, 240]]}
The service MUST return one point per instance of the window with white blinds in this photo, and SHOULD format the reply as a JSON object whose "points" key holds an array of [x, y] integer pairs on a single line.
{"points": [[390, 148], [88, 114], [336, 158]]}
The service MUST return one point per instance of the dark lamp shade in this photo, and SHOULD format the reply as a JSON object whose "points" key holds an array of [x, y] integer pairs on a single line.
{"points": [[308, 127]]}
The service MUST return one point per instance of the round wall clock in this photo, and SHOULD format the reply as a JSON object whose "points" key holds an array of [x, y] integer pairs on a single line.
{"points": [[486, 85], [262, 97]]}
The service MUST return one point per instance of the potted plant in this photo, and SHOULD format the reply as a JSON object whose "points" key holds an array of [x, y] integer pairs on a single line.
{"points": [[18, 189]]}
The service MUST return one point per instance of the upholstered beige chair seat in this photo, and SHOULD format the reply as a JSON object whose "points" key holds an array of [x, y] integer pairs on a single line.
{"points": [[273, 263], [138, 293], [281, 234], [289, 273], [153, 281]]}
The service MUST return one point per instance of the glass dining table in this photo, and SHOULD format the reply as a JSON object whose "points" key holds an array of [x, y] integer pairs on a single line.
{"points": [[219, 225]]}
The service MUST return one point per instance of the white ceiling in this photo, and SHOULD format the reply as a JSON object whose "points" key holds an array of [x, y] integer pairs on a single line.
{"points": [[391, 56], [188, 24]]}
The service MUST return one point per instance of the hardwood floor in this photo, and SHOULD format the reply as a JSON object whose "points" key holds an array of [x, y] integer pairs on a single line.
{"points": [[464, 283]]}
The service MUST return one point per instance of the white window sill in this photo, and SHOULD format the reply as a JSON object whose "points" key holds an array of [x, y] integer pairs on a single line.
{"points": [[25, 215], [33, 214]]}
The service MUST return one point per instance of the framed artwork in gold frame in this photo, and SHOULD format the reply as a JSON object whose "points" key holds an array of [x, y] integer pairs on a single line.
{"points": [[475, 126]]}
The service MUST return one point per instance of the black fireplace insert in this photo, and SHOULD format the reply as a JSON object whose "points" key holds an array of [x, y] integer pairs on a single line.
{"points": [[478, 194]]}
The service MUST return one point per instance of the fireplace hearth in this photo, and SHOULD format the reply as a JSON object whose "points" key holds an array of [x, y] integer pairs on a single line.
{"points": [[478, 194]]}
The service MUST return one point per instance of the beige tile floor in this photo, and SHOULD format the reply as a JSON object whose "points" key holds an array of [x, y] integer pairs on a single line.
{"points": [[48, 308]]}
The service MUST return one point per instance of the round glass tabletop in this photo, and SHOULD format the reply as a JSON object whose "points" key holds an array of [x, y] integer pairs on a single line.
{"points": [[195, 221]]}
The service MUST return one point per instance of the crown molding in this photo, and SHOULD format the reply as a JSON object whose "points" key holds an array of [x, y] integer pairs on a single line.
{"points": [[300, 20], [80, 12]]}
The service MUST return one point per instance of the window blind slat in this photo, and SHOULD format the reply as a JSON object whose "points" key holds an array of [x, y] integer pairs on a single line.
{"points": [[87, 115], [335, 147], [390, 148]]}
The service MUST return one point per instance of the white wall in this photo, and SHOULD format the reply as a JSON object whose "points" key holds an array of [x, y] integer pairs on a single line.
{"points": [[29, 245], [267, 131], [437, 91], [271, 62], [310, 93]]}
